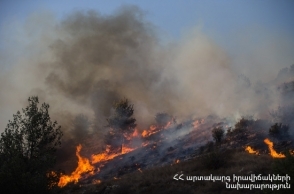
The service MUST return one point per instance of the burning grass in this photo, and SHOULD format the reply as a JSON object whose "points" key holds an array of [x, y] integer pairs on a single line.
{"points": [[160, 179], [273, 152]]}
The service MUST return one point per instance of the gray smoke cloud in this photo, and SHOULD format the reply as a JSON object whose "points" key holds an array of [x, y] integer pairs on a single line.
{"points": [[82, 64]]}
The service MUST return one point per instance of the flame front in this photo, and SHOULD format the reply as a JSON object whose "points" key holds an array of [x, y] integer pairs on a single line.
{"points": [[84, 166], [250, 150], [273, 153]]}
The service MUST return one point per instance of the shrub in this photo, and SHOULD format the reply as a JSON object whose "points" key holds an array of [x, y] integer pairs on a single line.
{"points": [[218, 134], [278, 129]]}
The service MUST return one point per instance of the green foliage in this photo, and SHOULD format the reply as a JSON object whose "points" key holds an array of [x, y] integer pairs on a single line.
{"points": [[27, 151], [278, 129], [120, 122], [122, 119], [218, 134]]}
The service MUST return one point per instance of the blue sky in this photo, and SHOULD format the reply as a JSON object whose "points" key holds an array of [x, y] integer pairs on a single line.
{"points": [[237, 26], [218, 18]]}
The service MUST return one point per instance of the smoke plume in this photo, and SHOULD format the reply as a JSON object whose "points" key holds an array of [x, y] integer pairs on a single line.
{"points": [[81, 65]]}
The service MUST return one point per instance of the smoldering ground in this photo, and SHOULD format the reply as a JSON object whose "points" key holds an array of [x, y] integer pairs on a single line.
{"points": [[85, 62]]}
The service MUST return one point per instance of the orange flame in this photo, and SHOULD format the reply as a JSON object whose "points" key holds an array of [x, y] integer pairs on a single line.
{"points": [[152, 127], [135, 134], [103, 157], [126, 149], [250, 150], [83, 167], [144, 133], [273, 153]]}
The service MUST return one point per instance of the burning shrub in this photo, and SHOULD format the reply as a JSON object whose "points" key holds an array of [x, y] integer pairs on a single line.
{"points": [[113, 140], [278, 129], [27, 151], [218, 134]]}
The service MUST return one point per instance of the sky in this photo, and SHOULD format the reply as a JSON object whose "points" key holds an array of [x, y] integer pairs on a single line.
{"points": [[219, 19], [254, 38]]}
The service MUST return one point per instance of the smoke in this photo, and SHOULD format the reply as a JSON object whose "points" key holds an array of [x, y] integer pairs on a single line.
{"points": [[81, 65]]}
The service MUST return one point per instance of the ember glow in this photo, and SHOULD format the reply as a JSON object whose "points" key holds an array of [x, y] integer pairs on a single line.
{"points": [[250, 150], [273, 153], [152, 130], [197, 122], [126, 149], [84, 166]]}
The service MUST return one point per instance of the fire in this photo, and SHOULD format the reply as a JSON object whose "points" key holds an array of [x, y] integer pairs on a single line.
{"points": [[197, 123], [152, 130], [126, 149], [167, 125], [103, 157], [83, 167], [273, 153], [152, 127], [96, 181], [177, 161], [135, 134], [144, 133], [250, 150]]}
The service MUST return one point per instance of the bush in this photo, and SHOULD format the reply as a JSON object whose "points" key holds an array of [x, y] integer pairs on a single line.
{"points": [[278, 129], [218, 134], [242, 125]]}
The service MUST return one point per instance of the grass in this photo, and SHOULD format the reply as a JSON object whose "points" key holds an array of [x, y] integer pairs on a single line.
{"points": [[160, 179]]}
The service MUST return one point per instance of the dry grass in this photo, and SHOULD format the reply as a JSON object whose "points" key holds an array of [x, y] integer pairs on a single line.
{"points": [[160, 179]]}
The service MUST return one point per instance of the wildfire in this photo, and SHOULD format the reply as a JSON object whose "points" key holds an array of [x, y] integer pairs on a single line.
{"points": [[96, 181], [103, 157], [250, 150], [83, 167], [135, 134], [126, 149], [273, 153], [177, 161], [144, 133], [152, 130], [197, 123]]}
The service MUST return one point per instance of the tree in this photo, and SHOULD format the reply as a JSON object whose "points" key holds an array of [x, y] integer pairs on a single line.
{"points": [[218, 134], [27, 151], [121, 122]]}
